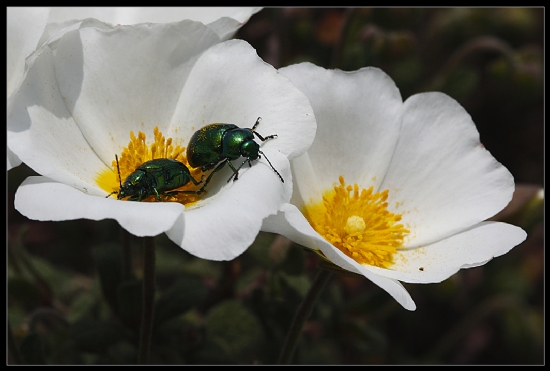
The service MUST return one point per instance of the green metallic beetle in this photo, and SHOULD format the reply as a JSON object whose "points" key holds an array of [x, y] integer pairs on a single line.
{"points": [[218, 144], [155, 177]]}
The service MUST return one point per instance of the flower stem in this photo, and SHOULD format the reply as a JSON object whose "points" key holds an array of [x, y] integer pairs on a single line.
{"points": [[127, 274], [148, 299], [302, 315]]}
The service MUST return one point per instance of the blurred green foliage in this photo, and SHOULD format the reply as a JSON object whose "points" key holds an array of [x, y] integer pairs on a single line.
{"points": [[72, 300]]}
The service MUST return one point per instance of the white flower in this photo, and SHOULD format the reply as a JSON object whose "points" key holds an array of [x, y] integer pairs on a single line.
{"points": [[85, 93], [28, 28], [421, 183]]}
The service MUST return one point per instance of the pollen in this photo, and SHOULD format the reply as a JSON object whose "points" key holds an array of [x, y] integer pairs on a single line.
{"points": [[137, 152], [358, 223]]}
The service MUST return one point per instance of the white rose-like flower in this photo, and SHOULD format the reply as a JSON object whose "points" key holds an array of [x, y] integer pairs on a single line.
{"points": [[392, 190], [28, 28], [140, 92]]}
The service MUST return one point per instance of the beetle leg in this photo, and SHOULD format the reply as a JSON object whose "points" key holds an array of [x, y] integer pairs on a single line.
{"points": [[173, 193], [257, 123], [157, 194], [218, 168], [193, 179], [235, 171], [112, 193], [263, 139]]}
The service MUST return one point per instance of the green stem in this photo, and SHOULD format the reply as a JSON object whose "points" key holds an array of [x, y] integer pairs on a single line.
{"points": [[302, 315], [127, 273], [148, 299]]}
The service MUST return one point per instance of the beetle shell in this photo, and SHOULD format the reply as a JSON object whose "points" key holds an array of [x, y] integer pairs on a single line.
{"points": [[155, 177], [206, 145]]}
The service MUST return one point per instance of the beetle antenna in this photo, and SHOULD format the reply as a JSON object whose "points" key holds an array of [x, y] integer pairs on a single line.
{"points": [[119, 178], [118, 169], [276, 172]]}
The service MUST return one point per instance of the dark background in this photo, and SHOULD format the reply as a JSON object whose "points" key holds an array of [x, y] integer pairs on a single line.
{"points": [[63, 309]]}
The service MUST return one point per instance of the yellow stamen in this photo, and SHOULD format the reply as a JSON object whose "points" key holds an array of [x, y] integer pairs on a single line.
{"points": [[358, 223], [136, 153]]}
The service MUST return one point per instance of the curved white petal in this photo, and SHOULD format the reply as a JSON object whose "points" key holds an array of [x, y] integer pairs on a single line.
{"points": [[24, 28], [12, 159], [306, 185], [284, 222], [224, 225], [231, 84], [299, 230], [358, 118], [225, 21], [55, 31], [134, 15], [441, 177], [440, 260], [40, 198], [391, 286], [43, 134]]}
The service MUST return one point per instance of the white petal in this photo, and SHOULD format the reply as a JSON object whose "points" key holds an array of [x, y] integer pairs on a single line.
{"points": [[279, 223], [306, 185], [12, 159], [225, 21], [40, 198], [358, 117], [440, 260], [224, 225], [25, 25], [441, 177], [128, 78], [231, 84], [391, 286], [53, 144], [24, 28], [133, 15], [55, 31]]}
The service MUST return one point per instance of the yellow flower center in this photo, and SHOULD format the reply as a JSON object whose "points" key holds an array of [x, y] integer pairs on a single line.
{"points": [[358, 223], [136, 153]]}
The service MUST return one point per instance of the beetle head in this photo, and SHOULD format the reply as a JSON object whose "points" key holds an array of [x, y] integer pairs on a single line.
{"points": [[250, 149]]}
